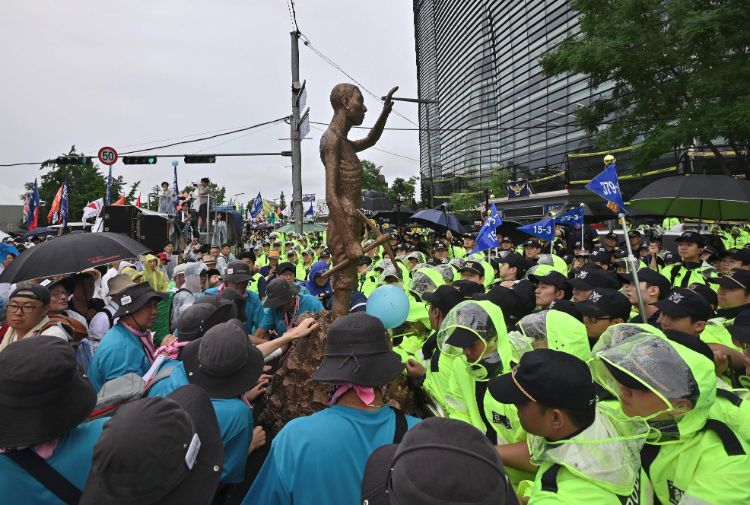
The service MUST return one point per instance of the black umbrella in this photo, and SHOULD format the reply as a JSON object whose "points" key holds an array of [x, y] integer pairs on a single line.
{"points": [[39, 231], [375, 201], [399, 214], [70, 254], [717, 197], [438, 219], [510, 229]]}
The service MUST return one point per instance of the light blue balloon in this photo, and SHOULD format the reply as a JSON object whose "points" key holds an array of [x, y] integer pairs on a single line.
{"points": [[389, 304]]}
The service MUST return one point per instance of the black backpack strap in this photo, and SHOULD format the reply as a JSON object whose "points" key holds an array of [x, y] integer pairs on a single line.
{"points": [[648, 455], [480, 390], [401, 425], [549, 479], [733, 397], [47, 476], [729, 440]]}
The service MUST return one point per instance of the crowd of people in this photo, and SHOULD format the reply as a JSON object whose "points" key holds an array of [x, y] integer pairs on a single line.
{"points": [[535, 376]]}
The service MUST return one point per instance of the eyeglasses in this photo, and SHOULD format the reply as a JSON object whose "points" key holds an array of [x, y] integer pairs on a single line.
{"points": [[25, 308]]}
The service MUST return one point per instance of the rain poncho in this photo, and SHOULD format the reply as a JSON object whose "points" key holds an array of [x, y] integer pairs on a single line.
{"points": [[695, 453], [154, 276], [316, 271], [463, 397], [556, 262], [599, 465], [550, 329]]}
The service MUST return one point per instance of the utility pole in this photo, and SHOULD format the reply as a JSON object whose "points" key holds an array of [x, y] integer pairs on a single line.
{"points": [[295, 137]]}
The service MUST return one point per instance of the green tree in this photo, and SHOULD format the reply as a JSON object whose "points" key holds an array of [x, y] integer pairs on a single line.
{"points": [[403, 189], [373, 179], [217, 193], [85, 184], [679, 68], [282, 201]]}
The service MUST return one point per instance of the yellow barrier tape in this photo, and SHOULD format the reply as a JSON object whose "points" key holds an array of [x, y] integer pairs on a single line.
{"points": [[634, 176], [600, 153]]}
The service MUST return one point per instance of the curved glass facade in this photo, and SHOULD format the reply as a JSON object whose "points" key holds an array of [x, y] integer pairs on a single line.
{"points": [[496, 110]]}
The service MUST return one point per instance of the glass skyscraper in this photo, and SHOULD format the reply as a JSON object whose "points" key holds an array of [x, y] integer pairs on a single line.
{"points": [[478, 60]]}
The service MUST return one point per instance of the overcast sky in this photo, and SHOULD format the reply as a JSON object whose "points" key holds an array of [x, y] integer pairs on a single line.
{"points": [[133, 73]]}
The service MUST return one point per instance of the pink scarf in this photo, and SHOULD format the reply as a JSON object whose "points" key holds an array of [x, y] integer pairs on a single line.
{"points": [[366, 394], [146, 341], [171, 351]]}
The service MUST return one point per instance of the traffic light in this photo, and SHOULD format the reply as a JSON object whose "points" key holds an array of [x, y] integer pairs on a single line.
{"points": [[200, 158], [139, 160], [72, 160]]}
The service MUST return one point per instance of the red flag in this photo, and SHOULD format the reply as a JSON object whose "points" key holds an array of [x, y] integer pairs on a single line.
{"points": [[138, 201], [120, 201], [55, 207], [35, 220]]}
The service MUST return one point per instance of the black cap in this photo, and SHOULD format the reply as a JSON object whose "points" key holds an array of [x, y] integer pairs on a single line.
{"points": [[513, 259], [692, 237], [740, 328], [595, 277], [364, 260], [32, 292], [634, 233], [553, 278], [472, 266], [471, 471], [469, 289], [738, 279], [707, 293], [684, 302], [532, 243], [506, 239], [612, 235], [507, 299], [742, 255], [601, 256], [444, 298], [462, 337], [603, 302], [650, 277], [566, 306], [440, 246], [238, 272], [285, 267], [550, 378]]}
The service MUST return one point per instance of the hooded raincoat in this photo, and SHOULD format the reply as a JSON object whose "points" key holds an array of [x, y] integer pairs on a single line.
{"points": [[154, 276], [697, 451]]}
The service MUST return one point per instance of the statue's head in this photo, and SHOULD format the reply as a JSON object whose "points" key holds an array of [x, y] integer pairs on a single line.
{"points": [[347, 99]]}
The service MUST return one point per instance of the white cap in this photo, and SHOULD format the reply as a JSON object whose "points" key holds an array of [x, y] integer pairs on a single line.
{"points": [[179, 270]]}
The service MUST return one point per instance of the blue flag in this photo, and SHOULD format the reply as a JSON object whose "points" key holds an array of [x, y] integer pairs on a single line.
{"points": [[310, 212], [606, 185], [32, 215], [175, 191], [109, 187], [487, 238], [64, 204], [257, 206], [544, 229], [573, 217]]}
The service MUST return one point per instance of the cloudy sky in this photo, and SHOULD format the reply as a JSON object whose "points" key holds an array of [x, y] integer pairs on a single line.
{"points": [[135, 74]]}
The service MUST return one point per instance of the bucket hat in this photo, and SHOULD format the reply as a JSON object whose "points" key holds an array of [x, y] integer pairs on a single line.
{"points": [[233, 298], [200, 317], [279, 292], [42, 393], [470, 470], [177, 460], [357, 351], [135, 297], [223, 361], [118, 284]]}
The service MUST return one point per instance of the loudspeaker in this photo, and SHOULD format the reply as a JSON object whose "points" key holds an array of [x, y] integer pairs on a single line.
{"points": [[121, 219], [154, 231]]}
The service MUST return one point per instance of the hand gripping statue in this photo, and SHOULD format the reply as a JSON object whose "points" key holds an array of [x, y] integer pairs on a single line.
{"points": [[344, 177]]}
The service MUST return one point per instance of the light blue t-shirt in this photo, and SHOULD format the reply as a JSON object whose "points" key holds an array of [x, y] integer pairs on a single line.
{"points": [[253, 309], [72, 459], [273, 319], [119, 352], [321, 458], [235, 422]]}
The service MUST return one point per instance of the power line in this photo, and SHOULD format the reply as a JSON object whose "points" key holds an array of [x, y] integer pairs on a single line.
{"points": [[377, 148], [265, 123], [335, 65], [521, 128]]}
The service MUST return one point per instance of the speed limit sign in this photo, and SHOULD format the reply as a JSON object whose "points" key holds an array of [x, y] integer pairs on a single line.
{"points": [[108, 155]]}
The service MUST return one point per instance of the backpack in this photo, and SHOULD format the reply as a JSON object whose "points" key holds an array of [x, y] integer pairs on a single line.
{"points": [[121, 390]]}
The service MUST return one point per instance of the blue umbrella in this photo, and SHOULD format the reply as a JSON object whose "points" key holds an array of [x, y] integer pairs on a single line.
{"points": [[439, 220]]}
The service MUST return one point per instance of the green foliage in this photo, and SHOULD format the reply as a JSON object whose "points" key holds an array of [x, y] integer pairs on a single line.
{"points": [[373, 179], [473, 195], [465, 200], [85, 184], [403, 190], [218, 193], [680, 70], [282, 201]]}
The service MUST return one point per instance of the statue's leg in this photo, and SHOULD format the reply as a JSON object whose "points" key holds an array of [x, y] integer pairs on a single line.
{"points": [[344, 283]]}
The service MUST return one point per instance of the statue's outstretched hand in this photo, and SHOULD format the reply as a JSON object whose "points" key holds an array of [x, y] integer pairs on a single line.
{"points": [[388, 103]]}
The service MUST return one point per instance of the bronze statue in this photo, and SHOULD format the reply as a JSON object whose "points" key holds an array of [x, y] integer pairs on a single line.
{"points": [[344, 177]]}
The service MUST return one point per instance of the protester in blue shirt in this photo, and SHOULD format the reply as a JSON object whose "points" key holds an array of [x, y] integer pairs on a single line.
{"points": [[44, 399], [283, 304], [321, 458], [237, 277], [128, 346]]}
